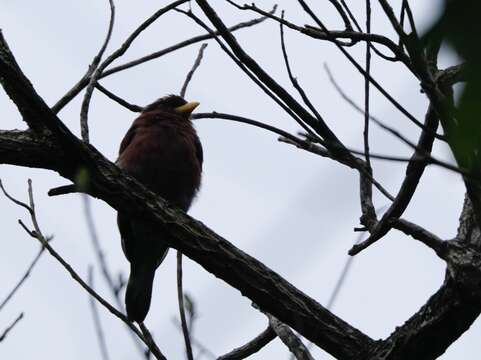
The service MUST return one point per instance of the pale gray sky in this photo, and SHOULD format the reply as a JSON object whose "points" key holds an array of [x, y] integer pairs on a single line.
{"points": [[292, 210]]}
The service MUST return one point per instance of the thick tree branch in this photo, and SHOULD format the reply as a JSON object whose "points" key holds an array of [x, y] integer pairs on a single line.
{"points": [[332, 142], [263, 286]]}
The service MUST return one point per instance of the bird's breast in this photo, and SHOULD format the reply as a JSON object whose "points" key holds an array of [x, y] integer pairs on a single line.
{"points": [[164, 159]]}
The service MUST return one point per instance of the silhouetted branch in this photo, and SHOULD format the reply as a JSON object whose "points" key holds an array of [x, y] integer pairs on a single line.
{"points": [[116, 54], [251, 347], [202, 349], [180, 300], [10, 327], [293, 343], [96, 318], [119, 100], [94, 72], [23, 278], [414, 171], [37, 233], [192, 71]]}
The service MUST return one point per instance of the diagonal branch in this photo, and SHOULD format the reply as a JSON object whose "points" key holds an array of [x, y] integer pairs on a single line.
{"points": [[10, 327], [93, 74], [37, 234], [23, 278], [86, 79], [260, 284], [180, 300], [251, 347], [414, 171], [287, 336], [332, 142], [190, 74], [83, 82], [96, 319]]}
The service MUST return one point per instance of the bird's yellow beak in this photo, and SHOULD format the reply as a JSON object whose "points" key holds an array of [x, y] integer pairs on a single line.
{"points": [[187, 108]]}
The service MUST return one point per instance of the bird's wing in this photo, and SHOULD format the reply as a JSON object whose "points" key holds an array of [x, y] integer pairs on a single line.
{"points": [[198, 151], [127, 138]]}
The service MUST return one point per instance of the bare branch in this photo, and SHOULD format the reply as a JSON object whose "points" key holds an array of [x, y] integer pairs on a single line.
{"points": [[194, 40], [10, 327], [37, 233], [153, 348], [251, 347], [116, 54], [96, 318], [414, 171], [334, 36], [99, 253], [119, 100], [192, 71], [24, 277], [93, 74], [202, 349], [180, 299], [293, 343], [294, 81], [361, 70], [254, 77], [102, 262], [417, 232], [344, 16]]}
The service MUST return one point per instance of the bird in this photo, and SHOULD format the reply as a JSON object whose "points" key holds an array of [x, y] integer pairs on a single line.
{"points": [[161, 150]]}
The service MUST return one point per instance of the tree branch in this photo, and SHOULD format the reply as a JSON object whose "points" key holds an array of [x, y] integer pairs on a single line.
{"points": [[263, 286], [10, 327], [251, 347]]}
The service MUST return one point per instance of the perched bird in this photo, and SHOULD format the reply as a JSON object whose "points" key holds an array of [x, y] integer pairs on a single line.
{"points": [[162, 151]]}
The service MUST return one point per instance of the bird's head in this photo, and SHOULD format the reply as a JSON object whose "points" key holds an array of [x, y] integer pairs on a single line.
{"points": [[172, 104]]}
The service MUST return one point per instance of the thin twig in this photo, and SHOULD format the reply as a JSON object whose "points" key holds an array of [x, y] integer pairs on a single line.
{"points": [[23, 278], [289, 338], [111, 284], [253, 76], [353, 36], [397, 134], [344, 16], [202, 349], [180, 298], [94, 74], [293, 79], [366, 85], [398, 56], [414, 172], [96, 243], [342, 277], [154, 349], [85, 80], [197, 62], [369, 217], [96, 318], [119, 100], [182, 44], [37, 233], [407, 8], [10, 327], [351, 59], [251, 347]]}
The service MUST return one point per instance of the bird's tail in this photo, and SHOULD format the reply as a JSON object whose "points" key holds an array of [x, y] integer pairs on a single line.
{"points": [[139, 292]]}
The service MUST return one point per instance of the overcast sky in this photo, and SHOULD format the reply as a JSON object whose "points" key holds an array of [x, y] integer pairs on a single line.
{"points": [[292, 210]]}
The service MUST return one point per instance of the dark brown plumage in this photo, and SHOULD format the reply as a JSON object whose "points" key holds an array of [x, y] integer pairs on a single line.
{"points": [[162, 151]]}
